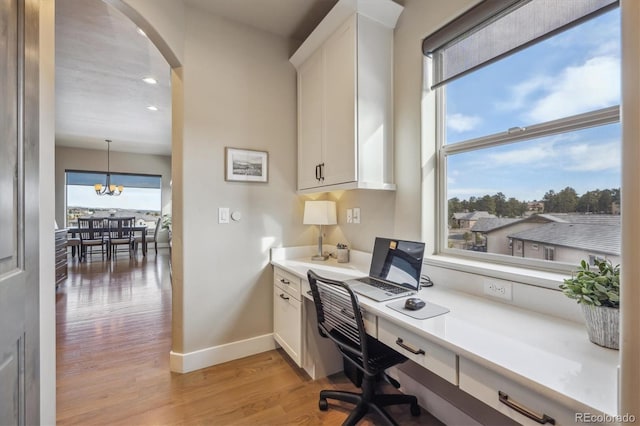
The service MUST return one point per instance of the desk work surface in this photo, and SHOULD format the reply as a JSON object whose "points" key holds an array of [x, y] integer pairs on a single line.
{"points": [[549, 355]]}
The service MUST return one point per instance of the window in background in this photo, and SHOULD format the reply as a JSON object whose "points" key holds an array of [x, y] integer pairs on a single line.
{"points": [[529, 136], [142, 196]]}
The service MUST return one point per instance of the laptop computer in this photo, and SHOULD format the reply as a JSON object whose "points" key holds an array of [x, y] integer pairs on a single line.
{"points": [[394, 272]]}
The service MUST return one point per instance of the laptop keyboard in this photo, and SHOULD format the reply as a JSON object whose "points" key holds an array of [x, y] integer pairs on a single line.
{"points": [[383, 286]]}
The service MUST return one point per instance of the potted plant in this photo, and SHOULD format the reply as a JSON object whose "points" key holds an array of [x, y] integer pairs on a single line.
{"points": [[597, 290]]}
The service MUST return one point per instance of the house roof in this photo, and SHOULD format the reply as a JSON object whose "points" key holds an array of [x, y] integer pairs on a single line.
{"points": [[594, 237], [487, 224], [595, 219], [472, 215]]}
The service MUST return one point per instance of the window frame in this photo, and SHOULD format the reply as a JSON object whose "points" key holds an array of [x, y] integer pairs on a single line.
{"points": [[599, 117], [66, 184]]}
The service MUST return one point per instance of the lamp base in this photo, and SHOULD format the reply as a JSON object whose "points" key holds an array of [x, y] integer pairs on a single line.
{"points": [[320, 257]]}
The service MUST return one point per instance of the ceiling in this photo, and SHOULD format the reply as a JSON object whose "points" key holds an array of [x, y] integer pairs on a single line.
{"points": [[101, 60]]}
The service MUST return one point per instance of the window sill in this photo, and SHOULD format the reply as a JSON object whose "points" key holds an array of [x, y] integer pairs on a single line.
{"points": [[544, 279]]}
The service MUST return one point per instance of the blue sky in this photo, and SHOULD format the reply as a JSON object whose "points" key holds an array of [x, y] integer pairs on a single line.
{"points": [[571, 73]]}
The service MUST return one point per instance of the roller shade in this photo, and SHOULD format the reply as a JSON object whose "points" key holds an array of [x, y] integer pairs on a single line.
{"points": [[125, 179], [496, 28]]}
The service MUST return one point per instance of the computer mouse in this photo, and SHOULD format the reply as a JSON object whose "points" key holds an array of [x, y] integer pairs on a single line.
{"points": [[414, 303]]}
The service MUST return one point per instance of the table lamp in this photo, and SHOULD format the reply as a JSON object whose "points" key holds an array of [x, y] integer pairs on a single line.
{"points": [[319, 213]]}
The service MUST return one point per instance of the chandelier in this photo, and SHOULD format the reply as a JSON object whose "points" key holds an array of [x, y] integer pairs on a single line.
{"points": [[109, 188]]}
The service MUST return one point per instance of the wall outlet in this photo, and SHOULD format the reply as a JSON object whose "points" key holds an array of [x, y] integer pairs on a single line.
{"points": [[349, 215], [498, 288]]}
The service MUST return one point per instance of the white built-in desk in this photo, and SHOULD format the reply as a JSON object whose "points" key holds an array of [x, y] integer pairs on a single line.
{"points": [[546, 364]]}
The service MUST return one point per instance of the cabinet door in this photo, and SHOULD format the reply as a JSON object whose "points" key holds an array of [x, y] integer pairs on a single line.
{"points": [[287, 323], [339, 148], [310, 119]]}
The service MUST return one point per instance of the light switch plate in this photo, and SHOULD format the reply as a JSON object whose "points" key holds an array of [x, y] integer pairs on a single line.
{"points": [[223, 215], [349, 215], [356, 215]]}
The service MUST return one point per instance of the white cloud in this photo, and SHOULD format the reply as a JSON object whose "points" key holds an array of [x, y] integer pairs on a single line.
{"points": [[593, 85], [533, 154], [593, 157], [521, 92], [470, 192], [462, 123]]}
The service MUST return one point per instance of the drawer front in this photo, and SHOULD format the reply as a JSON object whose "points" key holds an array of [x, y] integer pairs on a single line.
{"points": [[435, 358], [287, 323], [287, 282], [512, 399]]}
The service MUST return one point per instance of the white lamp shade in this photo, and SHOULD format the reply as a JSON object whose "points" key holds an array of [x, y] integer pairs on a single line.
{"points": [[319, 213]]}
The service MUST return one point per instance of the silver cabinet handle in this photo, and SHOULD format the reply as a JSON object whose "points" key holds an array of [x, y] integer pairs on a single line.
{"points": [[403, 345], [283, 281], [282, 296], [527, 412]]}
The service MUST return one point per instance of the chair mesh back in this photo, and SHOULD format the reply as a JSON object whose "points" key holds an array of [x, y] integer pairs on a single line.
{"points": [[338, 311], [339, 315]]}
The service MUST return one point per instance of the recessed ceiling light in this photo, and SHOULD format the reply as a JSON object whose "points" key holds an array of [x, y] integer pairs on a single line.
{"points": [[150, 80], [142, 33], [152, 108]]}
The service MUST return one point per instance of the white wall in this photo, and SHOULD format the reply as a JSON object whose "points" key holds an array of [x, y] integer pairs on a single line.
{"points": [[239, 91]]}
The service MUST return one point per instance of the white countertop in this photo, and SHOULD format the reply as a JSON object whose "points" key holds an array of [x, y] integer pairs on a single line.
{"points": [[552, 356]]}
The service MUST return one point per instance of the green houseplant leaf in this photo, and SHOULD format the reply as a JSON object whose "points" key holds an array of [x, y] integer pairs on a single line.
{"points": [[599, 286]]}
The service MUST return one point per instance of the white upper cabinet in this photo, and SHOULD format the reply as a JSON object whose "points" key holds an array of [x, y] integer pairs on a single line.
{"points": [[345, 98]]}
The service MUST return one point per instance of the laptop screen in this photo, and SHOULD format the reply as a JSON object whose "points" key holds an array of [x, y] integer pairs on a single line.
{"points": [[397, 261]]}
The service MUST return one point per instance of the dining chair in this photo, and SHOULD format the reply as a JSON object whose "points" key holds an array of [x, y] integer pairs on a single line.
{"points": [[91, 231], [150, 237], [340, 320], [120, 233], [74, 243]]}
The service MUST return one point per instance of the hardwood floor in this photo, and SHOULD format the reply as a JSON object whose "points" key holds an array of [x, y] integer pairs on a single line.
{"points": [[113, 343]]}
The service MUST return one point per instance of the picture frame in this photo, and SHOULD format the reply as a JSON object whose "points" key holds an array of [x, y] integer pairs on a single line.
{"points": [[246, 165]]}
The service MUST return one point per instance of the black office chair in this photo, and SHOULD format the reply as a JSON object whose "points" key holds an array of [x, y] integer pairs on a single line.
{"points": [[340, 319]]}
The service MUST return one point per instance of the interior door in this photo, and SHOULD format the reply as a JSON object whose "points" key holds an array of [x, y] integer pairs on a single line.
{"points": [[19, 337]]}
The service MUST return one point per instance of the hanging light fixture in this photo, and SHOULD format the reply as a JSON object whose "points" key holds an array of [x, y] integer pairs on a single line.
{"points": [[109, 188]]}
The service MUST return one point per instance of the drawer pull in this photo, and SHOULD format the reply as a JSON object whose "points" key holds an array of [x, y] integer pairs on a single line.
{"points": [[542, 419], [283, 281], [403, 345], [282, 296]]}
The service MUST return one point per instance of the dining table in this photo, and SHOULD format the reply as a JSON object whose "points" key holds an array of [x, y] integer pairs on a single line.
{"points": [[73, 231]]}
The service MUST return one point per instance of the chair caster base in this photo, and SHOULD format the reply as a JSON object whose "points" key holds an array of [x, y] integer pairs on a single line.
{"points": [[323, 404], [415, 410]]}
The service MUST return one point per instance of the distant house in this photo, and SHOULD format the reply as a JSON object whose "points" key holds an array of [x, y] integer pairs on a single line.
{"points": [[564, 237], [466, 220], [568, 242], [494, 231], [535, 206]]}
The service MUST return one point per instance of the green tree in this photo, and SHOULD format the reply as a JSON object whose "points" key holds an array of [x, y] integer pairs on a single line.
{"points": [[500, 202], [567, 200]]}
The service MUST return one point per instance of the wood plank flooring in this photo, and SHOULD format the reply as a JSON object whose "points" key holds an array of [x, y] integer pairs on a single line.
{"points": [[113, 343]]}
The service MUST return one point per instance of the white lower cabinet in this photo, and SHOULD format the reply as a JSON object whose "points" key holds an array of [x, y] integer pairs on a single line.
{"points": [[287, 314], [432, 356], [512, 399]]}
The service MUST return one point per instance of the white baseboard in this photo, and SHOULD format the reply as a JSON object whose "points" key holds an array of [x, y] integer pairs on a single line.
{"points": [[191, 361]]}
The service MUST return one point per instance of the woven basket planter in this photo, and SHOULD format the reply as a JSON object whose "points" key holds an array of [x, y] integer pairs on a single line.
{"points": [[602, 325]]}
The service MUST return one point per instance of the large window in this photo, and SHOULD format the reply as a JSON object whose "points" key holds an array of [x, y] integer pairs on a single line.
{"points": [[141, 198], [529, 135]]}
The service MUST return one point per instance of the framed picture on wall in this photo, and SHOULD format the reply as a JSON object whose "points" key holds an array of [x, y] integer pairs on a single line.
{"points": [[246, 165]]}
